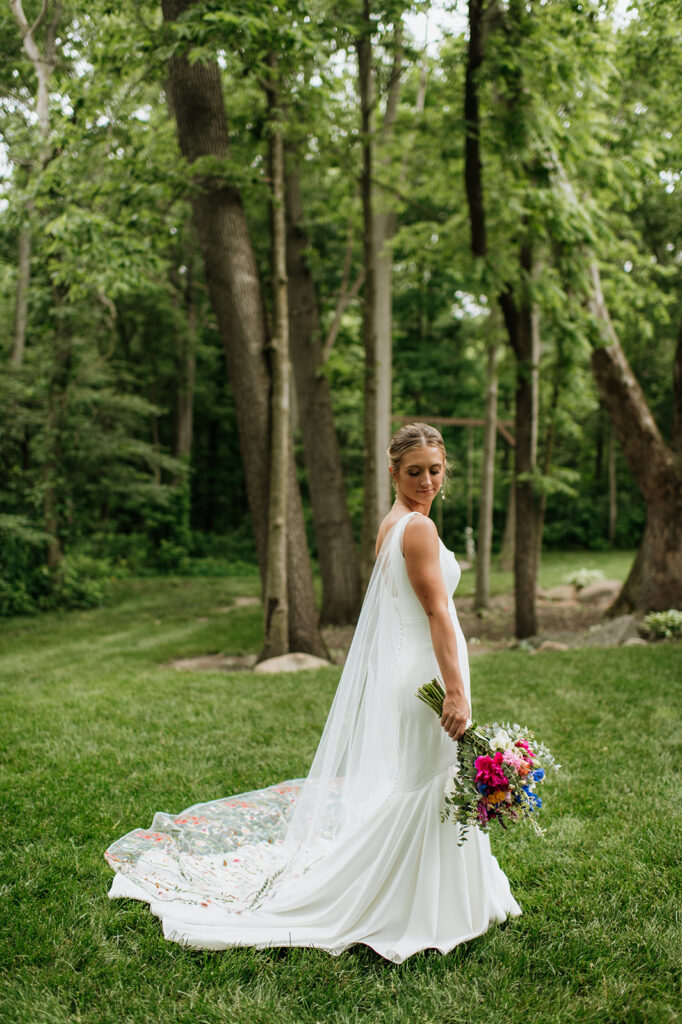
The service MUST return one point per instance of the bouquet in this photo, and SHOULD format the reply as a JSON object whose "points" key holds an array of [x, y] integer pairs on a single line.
{"points": [[499, 769]]}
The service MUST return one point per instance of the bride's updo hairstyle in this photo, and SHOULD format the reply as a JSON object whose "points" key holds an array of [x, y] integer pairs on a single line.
{"points": [[414, 435]]}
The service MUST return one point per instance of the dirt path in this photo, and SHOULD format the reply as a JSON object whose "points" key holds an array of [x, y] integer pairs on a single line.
{"points": [[565, 621]]}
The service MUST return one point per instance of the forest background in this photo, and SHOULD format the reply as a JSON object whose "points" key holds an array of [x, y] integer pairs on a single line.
{"points": [[484, 227]]}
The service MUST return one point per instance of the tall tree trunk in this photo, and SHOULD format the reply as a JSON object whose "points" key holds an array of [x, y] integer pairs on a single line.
{"points": [[524, 340], [187, 333], [374, 467], [380, 226], [21, 300], [43, 66], [522, 331], [276, 609], [655, 579], [613, 491], [505, 562], [234, 290], [339, 567], [56, 402], [485, 508], [547, 455]]}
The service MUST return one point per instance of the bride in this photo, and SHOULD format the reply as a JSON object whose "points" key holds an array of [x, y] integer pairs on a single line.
{"points": [[356, 852]]}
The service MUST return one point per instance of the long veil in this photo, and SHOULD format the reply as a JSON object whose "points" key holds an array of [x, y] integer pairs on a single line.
{"points": [[244, 848]]}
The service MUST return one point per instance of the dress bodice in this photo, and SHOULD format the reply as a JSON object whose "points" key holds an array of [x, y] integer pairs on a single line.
{"points": [[409, 605]]}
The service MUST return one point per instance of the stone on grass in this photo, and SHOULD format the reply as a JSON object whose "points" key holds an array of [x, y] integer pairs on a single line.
{"points": [[553, 645], [294, 662], [635, 641], [563, 592], [600, 590], [614, 633]]}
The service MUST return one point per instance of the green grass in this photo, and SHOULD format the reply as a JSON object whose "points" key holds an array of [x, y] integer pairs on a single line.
{"points": [[554, 565], [96, 736]]}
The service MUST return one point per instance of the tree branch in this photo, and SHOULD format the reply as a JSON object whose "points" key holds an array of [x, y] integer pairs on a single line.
{"points": [[51, 34], [634, 426], [344, 300]]}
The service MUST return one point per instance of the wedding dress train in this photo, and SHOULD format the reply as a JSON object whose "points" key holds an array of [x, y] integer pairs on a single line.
{"points": [[354, 853]]}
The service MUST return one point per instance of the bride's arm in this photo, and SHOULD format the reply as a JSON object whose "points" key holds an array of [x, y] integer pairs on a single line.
{"points": [[422, 561]]}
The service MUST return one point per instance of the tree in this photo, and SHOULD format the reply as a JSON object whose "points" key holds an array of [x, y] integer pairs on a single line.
{"points": [[336, 552], [379, 225], [43, 64], [520, 318], [234, 287], [655, 580], [275, 603]]}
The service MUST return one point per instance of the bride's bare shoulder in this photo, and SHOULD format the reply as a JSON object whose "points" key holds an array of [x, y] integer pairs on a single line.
{"points": [[419, 533], [424, 530]]}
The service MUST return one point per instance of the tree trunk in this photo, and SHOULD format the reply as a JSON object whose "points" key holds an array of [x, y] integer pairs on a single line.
{"points": [[234, 290], [43, 66], [339, 567], [276, 625], [547, 456], [384, 228], [57, 390], [521, 325], [655, 580], [524, 341], [21, 301], [373, 466], [485, 508], [613, 491], [506, 560], [187, 334]]}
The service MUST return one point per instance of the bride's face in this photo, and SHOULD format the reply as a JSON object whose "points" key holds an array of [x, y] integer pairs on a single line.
{"points": [[420, 475]]}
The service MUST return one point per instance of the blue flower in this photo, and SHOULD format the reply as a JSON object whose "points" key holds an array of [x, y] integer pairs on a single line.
{"points": [[538, 774]]}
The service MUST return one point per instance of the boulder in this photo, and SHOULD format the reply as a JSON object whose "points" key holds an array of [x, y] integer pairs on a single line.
{"points": [[295, 662], [563, 592], [635, 641], [599, 592], [553, 645], [614, 633]]}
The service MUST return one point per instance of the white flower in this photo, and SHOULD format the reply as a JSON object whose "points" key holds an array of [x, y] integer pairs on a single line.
{"points": [[501, 740]]}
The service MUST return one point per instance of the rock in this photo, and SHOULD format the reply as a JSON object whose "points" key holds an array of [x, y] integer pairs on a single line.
{"points": [[553, 645], [599, 591], [635, 641], [564, 592], [295, 662], [614, 633]]}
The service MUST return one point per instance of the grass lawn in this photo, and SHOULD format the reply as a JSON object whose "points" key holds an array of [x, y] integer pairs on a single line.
{"points": [[97, 735], [554, 565]]}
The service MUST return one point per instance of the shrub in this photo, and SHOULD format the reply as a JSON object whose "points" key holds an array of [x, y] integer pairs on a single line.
{"points": [[582, 577], [667, 625]]}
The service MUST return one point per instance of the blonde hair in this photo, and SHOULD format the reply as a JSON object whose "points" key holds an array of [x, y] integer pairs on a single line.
{"points": [[414, 435]]}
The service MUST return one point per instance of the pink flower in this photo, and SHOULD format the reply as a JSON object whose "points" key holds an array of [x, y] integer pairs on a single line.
{"points": [[512, 759], [489, 771], [524, 746]]}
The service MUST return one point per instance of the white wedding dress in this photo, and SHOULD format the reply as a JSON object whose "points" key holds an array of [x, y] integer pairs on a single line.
{"points": [[356, 852]]}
